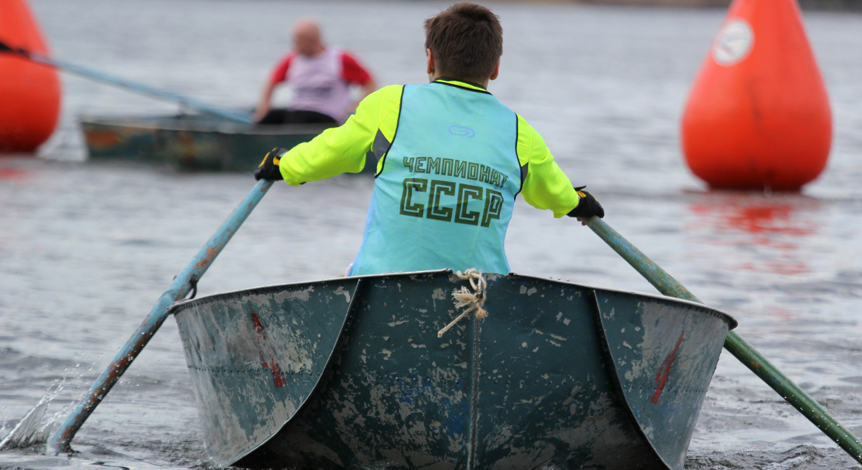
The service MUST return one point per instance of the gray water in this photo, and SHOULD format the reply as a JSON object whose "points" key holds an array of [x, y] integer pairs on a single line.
{"points": [[86, 249]]}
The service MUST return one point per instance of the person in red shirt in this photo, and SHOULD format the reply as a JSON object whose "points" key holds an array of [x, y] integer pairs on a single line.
{"points": [[320, 78]]}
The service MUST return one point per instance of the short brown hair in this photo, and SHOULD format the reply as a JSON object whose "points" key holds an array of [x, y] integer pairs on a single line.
{"points": [[466, 40]]}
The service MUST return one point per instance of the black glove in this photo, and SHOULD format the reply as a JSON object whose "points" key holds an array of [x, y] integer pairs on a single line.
{"points": [[587, 206], [268, 169]]}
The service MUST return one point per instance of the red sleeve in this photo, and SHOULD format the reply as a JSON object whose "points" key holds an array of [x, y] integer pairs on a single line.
{"points": [[352, 71], [279, 73]]}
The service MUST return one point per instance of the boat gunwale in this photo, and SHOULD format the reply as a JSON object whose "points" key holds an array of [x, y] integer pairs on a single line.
{"points": [[181, 305]]}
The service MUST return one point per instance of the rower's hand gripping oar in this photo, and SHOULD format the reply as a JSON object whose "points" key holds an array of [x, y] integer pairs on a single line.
{"points": [[147, 90], [737, 346], [181, 286]]}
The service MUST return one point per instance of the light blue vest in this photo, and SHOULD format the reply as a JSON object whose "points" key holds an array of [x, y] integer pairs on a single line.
{"points": [[446, 192]]}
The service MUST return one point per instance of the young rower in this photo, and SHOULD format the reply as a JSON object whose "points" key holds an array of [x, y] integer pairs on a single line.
{"points": [[450, 158]]}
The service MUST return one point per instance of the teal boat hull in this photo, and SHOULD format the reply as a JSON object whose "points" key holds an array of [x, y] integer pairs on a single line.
{"points": [[350, 373], [191, 141]]}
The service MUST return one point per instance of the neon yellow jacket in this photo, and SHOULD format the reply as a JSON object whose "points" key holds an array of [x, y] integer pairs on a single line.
{"points": [[343, 149]]}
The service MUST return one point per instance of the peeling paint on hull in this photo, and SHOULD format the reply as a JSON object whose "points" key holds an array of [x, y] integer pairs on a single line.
{"points": [[350, 373]]}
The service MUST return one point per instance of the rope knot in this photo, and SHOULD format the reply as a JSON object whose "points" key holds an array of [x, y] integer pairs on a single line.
{"points": [[465, 298]]}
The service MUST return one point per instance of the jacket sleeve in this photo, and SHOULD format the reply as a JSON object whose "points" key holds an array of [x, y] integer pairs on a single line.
{"points": [[545, 186], [340, 149]]}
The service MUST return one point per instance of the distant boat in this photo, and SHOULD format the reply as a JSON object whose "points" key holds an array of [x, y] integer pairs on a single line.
{"points": [[351, 373], [192, 141]]}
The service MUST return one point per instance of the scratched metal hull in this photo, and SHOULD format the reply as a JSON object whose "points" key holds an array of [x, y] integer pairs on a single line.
{"points": [[190, 142], [350, 373]]}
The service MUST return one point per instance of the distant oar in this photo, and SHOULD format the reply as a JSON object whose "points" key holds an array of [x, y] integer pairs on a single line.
{"points": [[147, 90], [737, 346], [181, 286]]}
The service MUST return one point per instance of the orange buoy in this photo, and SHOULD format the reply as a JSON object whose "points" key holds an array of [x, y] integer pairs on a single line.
{"points": [[758, 115], [29, 92]]}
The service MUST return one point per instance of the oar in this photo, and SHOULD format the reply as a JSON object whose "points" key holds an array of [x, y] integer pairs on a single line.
{"points": [[147, 90], [181, 286], [737, 346]]}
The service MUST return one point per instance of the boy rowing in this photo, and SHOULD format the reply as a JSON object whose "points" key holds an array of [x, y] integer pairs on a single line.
{"points": [[450, 158]]}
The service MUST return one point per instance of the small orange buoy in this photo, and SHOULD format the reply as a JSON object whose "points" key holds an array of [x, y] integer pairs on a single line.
{"points": [[29, 92], [758, 115]]}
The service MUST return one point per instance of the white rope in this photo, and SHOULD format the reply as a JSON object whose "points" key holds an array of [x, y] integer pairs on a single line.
{"points": [[464, 298]]}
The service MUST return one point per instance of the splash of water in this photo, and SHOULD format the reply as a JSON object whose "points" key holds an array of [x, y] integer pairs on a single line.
{"points": [[31, 430]]}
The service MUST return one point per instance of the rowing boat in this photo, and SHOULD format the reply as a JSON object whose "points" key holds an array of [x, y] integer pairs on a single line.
{"points": [[190, 141], [351, 373]]}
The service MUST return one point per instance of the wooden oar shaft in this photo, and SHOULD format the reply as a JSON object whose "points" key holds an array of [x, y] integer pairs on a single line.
{"points": [[181, 286], [737, 346], [147, 90]]}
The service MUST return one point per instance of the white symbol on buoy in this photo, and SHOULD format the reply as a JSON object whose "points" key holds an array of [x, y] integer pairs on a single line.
{"points": [[733, 42]]}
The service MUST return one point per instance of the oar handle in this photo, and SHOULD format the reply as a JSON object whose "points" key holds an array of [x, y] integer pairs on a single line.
{"points": [[181, 286], [147, 90], [737, 346]]}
